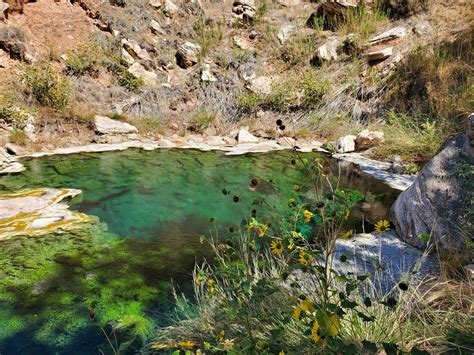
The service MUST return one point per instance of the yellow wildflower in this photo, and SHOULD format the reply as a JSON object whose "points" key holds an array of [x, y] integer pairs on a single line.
{"points": [[276, 247], [348, 234], [160, 346], [262, 230], [281, 353], [382, 226], [297, 313], [222, 335], [314, 334], [211, 284], [187, 344], [291, 244], [307, 306], [305, 259], [296, 234], [307, 216]]}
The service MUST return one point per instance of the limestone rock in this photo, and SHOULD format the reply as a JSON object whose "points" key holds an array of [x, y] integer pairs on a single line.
{"points": [[135, 50], [215, 141], [389, 35], [37, 212], [148, 77], [14, 149], [345, 144], [367, 139], [379, 54], [165, 143], [245, 136], [12, 41], [327, 51], [170, 9], [156, 3], [244, 9], [187, 54], [242, 42], [286, 142], [156, 28], [261, 85], [288, 3], [207, 75], [331, 12], [105, 125], [285, 32], [439, 200], [127, 57], [3, 11]]}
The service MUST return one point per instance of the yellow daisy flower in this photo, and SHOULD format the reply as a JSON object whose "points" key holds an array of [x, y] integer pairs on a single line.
{"points": [[348, 234], [382, 226], [305, 259], [277, 247], [314, 334], [307, 216]]}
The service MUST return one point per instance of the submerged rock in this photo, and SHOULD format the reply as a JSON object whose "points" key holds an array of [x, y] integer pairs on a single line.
{"points": [[438, 203], [37, 212]]}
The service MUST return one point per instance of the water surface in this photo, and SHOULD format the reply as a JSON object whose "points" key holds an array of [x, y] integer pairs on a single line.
{"points": [[151, 208]]}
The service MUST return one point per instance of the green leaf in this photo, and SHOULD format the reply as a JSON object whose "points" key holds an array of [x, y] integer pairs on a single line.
{"points": [[348, 304], [369, 346]]}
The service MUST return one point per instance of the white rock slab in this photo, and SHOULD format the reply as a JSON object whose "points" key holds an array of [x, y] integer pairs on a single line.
{"points": [[105, 125]]}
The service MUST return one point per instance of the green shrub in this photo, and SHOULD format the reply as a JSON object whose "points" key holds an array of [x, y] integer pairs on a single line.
{"points": [[12, 115], [117, 116], [49, 87], [248, 101], [18, 137], [126, 79], [81, 63], [314, 90], [202, 119]]}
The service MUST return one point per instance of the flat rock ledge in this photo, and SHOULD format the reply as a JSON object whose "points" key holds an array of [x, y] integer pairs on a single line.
{"points": [[379, 170], [37, 212]]}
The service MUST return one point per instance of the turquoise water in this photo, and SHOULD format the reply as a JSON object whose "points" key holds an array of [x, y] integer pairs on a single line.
{"points": [[58, 291]]}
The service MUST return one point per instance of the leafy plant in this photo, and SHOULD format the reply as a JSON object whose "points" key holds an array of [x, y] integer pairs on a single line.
{"points": [[12, 115], [48, 86]]}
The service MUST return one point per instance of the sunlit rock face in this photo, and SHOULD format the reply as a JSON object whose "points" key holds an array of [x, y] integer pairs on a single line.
{"points": [[37, 212]]}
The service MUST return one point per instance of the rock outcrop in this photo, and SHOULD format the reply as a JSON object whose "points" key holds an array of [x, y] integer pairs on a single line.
{"points": [[368, 139], [439, 201], [331, 12], [244, 9], [3, 11], [187, 54], [37, 212], [105, 125], [345, 144], [245, 136], [12, 41], [148, 77]]}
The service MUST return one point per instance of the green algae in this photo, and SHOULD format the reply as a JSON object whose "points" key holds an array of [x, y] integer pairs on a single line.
{"points": [[56, 290]]}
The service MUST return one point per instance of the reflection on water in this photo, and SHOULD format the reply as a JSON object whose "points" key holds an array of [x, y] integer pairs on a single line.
{"points": [[155, 205]]}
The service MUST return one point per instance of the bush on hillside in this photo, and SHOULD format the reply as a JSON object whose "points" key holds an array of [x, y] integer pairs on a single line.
{"points": [[46, 85]]}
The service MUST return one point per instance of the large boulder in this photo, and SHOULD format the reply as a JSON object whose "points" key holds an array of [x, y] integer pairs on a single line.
{"points": [[368, 139], [148, 77], [345, 144], [331, 12], [244, 136], [105, 125], [12, 41], [187, 54], [135, 50], [244, 9], [439, 203], [3, 11]]}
